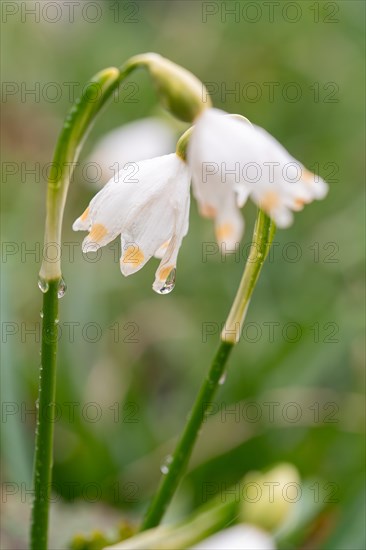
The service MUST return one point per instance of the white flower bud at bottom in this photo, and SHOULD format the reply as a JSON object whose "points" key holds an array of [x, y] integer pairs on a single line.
{"points": [[270, 497], [238, 537]]}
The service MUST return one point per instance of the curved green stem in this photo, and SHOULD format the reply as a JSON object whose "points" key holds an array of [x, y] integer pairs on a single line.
{"points": [[262, 238], [181, 93], [204, 523], [263, 234], [74, 131], [185, 445], [45, 420]]}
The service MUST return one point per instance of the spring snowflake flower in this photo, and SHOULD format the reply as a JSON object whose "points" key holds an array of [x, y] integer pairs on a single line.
{"points": [[232, 160], [238, 537], [229, 161], [148, 205]]}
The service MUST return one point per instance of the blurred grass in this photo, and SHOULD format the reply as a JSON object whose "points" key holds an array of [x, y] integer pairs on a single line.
{"points": [[156, 378]]}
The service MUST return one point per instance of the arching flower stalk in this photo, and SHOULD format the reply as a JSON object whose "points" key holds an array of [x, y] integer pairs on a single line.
{"points": [[150, 210], [232, 160], [181, 93], [151, 214], [222, 141], [147, 201]]}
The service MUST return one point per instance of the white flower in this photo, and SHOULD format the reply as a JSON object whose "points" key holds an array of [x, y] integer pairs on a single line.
{"points": [[213, 156], [238, 537], [231, 160], [148, 204], [139, 140]]}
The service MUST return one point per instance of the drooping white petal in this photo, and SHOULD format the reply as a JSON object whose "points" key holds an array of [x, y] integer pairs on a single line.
{"points": [[82, 223], [133, 256], [229, 156], [315, 185], [214, 155], [215, 152], [270, 198], [278, 172], [165, 274], [159, 253], [153, 227], [242, 194], [229, 223], [238, 537], [104, 216], [149, 207], [144, 235]]}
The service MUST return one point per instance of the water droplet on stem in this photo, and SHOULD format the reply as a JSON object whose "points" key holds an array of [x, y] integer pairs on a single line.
{"points": [[43, 284], [164, 468], [62, 287]]}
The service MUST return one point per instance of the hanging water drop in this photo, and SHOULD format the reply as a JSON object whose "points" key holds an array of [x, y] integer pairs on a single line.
{"points": [[42, 285], [222, 379], [41, 314], [169, 283], [164, 468], [61, 289]]}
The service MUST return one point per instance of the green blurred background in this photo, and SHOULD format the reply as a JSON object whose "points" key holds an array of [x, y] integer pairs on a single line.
{"points": [[122, 402]]}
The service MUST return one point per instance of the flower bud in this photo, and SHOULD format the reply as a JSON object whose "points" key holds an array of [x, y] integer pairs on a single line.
{"points": [[271, 496], [180, 91]]}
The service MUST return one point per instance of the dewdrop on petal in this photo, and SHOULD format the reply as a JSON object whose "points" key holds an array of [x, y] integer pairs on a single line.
{"points": [[149, 209]]}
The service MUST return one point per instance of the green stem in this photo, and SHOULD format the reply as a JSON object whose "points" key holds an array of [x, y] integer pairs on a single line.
{"points": [[75, 129], [263, 234], [183, 89], [45, 421], [262, 238], [72, 136], [185, 445], [204, 523]]}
